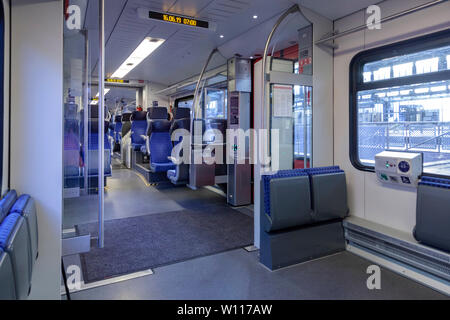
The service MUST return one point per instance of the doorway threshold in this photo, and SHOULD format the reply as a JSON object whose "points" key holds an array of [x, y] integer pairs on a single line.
{"points": [[83, 286]]}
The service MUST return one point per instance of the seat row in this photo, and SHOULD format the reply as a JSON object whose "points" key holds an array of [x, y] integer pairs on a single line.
{"points": [[18, 245], [301, 216], [76, 152], [118, 128]]}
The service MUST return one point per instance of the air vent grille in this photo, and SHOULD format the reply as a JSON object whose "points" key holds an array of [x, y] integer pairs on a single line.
{"points": [[415, 255]]}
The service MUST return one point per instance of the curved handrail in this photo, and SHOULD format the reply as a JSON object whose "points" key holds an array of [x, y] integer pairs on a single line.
{"points": [[295, 8]]}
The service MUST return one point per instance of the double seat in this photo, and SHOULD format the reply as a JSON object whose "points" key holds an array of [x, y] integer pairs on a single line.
{"points": [[302, 215], [18, 245], [433, 214], [92, 149], [76, 153]]}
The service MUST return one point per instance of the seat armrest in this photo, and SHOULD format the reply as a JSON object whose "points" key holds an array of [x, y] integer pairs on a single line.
{"points": [[173, 159]]}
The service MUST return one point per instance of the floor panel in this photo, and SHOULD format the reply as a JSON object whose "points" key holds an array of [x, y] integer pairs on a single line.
{"points": [[238, 275]]}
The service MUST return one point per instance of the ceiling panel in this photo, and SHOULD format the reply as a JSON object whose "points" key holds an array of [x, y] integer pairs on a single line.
{"points": [[186, 49]]}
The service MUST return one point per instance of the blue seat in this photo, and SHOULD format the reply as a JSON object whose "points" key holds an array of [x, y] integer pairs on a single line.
{"points": [[7, 287], [126, 125], [93, 146], [160, 144], [71, 148], [7, 203], [26, 207], [138, 129], [154, 113], [432, 213], [14, 240], [117, 135]]}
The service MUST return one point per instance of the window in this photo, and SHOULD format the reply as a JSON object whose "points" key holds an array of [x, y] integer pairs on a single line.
{"points": [[400, 101]]}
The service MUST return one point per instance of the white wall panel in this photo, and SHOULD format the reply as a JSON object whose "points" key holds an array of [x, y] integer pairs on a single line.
{"points": [[37, 128], [368, 199]]}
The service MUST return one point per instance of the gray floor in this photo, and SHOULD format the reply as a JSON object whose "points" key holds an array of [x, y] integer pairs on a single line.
{"points": [[231, 275], [238, 275], [128, 196]]}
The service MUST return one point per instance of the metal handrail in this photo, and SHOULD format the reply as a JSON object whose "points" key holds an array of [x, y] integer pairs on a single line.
{"points": [[389, 18], [295, 8]]}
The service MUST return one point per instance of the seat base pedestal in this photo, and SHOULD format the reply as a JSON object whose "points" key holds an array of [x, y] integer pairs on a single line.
{"points": [[289, 247]]}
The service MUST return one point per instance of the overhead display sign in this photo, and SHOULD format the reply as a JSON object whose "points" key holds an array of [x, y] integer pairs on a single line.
{"points": [[174, 19], [117, 81]]}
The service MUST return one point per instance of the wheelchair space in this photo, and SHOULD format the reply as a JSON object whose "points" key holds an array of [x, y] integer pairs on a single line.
{"points": [[127, 195]]}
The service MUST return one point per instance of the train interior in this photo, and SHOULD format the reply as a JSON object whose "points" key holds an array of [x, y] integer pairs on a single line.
{"points": [[226, 149]]}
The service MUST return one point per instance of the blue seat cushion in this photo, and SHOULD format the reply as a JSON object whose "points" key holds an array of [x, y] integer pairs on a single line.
{"points": [[6, 204], [162, 167], [6, 229], [171, 173]]}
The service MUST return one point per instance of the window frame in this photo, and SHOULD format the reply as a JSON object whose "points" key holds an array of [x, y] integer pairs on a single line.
{"points": [[410, 46]]}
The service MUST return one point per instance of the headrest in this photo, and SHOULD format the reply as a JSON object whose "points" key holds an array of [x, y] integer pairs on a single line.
{"points": [[6, 203], [157, 113], [139, 116], [158, 126], [118, 119], [181, 113], [126, 117]]}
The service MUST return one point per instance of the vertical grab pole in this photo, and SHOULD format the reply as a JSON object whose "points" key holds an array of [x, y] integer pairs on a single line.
{"points": [[86, 112], [101, 126]]}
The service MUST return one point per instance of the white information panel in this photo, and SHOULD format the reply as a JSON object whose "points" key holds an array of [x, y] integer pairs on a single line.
{"points": [[283, 101]]}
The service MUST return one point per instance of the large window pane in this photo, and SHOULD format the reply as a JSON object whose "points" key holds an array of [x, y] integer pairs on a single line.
{"points": [[412, 118]]}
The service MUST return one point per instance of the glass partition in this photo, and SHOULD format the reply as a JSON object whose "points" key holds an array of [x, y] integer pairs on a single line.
{"points": [[82, 123]]}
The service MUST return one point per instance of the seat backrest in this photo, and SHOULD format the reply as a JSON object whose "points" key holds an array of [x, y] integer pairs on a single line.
{"points": [[329, 193], [432, 214], [157, 113], [14, 239], [26, 207], [117, 124], [7, 287], [287, 200], [138, 126], [160, 141], [126, 123], [7, 203]]}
